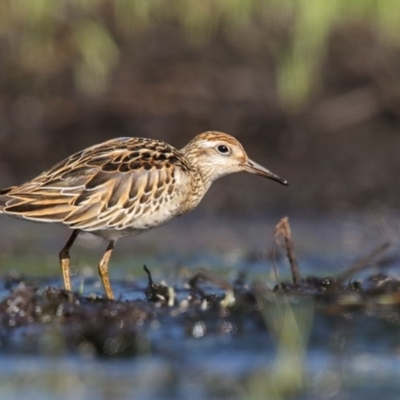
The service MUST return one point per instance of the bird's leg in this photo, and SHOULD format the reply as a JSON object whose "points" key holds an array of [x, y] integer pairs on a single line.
{"points": [[64, 259], [103, 270]]}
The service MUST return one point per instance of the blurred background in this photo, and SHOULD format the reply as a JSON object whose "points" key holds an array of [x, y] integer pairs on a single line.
{"points": [[311, 89]]}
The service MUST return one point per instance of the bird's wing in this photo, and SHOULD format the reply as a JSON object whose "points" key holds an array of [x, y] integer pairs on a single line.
{"points": [[99, 187]]}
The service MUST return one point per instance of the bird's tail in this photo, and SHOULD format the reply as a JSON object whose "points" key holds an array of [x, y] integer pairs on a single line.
{"points": [[4, 198]]}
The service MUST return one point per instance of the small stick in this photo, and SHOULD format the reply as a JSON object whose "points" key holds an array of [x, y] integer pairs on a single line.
{"points": [[362, 263], [148, 275], [283, 229], [274, 268]]}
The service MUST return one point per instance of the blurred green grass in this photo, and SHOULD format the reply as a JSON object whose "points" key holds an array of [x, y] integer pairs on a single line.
{"points": [[290, 325], [46, 37]]}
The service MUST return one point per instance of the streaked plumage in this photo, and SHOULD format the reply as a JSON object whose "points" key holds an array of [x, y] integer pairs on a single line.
{"points": [[126, 186]]}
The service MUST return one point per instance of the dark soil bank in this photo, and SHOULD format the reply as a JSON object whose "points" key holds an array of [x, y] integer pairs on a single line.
{"points": [[340, 153]]}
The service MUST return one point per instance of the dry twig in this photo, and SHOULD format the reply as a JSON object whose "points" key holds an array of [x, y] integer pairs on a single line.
{"points": [[282, 229], [362, 263]]}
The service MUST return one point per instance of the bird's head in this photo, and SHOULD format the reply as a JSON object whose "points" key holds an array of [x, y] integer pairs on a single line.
{"points": [[217, 154]]}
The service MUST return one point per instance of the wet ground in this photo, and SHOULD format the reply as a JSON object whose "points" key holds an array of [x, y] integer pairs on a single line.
{"points": [[210, 326]]}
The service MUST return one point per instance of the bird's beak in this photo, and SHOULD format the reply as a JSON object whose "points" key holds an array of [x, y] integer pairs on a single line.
{"points": [[254, 168]]}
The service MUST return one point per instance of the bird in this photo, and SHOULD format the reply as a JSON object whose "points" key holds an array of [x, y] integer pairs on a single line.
{"points": [[126, 186]]}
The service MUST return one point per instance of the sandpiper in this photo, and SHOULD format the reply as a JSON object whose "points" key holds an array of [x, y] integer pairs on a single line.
{"points": [[126, 186]]}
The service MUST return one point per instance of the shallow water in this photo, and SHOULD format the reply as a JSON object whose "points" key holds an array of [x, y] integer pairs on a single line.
{"points": [[190, 353]]}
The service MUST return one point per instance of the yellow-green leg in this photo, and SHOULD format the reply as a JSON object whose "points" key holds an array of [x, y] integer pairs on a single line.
{"points": [[64, 259], [103, 270]]}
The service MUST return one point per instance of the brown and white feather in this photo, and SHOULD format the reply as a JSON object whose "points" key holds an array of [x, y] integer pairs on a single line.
{"points": [[125, 185]]}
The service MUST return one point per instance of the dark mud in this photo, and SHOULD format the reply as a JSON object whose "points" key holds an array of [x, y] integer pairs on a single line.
{"points": [[92, 325], [233, 331]]}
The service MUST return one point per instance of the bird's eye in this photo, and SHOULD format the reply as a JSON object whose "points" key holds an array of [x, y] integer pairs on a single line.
{"points": [[222, 149]]}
